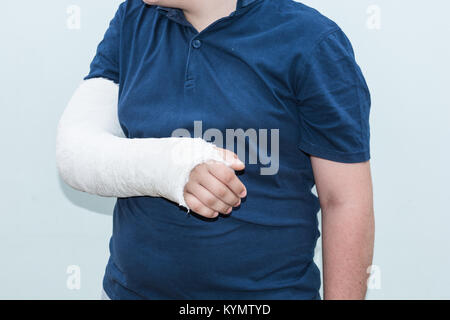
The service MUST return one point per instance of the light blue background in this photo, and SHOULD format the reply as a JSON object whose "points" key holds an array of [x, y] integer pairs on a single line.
{"points": [[45, 226]]}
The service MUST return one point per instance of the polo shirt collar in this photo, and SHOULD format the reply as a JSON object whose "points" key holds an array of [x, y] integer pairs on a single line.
{"points": [[244, 3], [175, 13]]}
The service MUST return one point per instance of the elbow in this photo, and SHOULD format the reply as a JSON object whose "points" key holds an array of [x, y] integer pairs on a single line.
{"points": [[63, 157], [66, 153]]}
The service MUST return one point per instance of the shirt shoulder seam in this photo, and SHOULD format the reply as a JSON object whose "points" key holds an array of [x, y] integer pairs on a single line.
{"points": [[309, 53]]}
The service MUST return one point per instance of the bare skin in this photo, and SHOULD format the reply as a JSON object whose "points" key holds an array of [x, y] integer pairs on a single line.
{"points": [[345, 190], [345, 194], [214, 188]]}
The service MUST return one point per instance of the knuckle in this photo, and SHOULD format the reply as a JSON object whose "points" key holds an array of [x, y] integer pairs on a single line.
{"points": [[228, 176], [222, 192], [210, 201], [198, 168], [188, 185], [194, 170], [191, 179]]}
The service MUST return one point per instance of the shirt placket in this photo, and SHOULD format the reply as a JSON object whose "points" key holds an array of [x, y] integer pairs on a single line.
{"points": [[195, 45]]}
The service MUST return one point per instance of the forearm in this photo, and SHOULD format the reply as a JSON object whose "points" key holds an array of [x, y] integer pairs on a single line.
{"points": [[94, 156], [347, 241]]}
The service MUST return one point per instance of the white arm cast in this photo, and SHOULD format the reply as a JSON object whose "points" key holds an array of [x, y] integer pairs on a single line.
{"points": [[94, 156]]}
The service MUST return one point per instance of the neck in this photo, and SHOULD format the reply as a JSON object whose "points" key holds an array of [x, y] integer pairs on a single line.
{"points": [[202, 13]]}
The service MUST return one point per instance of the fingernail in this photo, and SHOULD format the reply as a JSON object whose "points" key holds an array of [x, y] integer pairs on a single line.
{"points": [[243, 194], [237, 203], [229, 210]]}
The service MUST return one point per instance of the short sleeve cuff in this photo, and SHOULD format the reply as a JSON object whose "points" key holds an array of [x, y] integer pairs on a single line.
{"points": [[103, 75], [337, 156]]}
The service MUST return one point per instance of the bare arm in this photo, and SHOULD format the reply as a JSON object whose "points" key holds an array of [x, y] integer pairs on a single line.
{"points": [[345, 194]]}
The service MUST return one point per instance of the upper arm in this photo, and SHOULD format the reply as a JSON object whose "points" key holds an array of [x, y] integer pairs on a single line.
{"points": [[342, 184]]}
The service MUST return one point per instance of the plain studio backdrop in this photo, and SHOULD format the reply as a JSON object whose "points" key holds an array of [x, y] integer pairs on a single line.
{"points": [[54, 240]]}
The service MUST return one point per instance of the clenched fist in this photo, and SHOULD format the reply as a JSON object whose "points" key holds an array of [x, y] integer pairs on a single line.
{"points": [[214, 188]]}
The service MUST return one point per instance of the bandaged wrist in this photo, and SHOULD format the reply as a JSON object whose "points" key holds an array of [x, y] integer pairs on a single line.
{"points": [[94, 156]]}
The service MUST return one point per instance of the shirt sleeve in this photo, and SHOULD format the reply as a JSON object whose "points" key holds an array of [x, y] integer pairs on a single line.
{"points": [[106, 61], [334, 103]]}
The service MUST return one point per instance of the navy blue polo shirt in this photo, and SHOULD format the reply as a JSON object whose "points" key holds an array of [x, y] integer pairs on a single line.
{"points": [[279, 71]]}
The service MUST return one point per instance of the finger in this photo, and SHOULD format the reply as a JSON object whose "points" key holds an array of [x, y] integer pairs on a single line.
{"points": [[232, 158], [209, 199], [228, 177], [201, 176], [198, 207], [217, 187]]}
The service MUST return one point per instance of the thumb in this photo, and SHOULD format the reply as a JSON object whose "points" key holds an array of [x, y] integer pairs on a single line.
{"points": [[232, 159]]}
